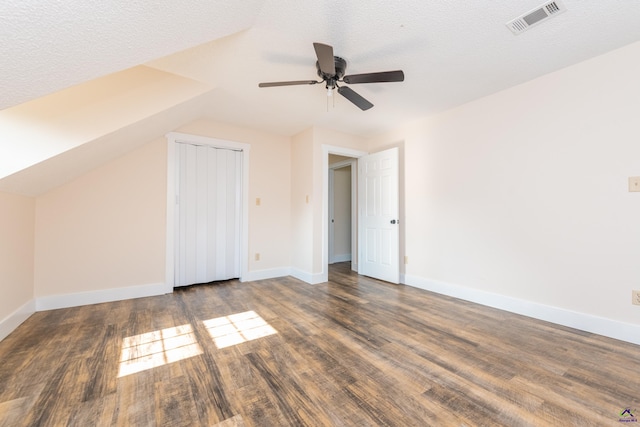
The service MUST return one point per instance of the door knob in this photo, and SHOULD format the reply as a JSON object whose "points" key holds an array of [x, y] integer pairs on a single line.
{"points": [[393, 221]]}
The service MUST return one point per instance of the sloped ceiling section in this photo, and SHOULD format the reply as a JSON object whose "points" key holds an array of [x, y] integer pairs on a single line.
{"points": [[48, 46], [67, 166], [87, 114]]}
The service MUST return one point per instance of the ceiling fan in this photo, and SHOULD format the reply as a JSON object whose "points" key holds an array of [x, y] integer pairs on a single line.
{"points": [[332, 68]]}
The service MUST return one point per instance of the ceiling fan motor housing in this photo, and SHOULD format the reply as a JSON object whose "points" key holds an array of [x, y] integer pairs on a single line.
{"points": [[341, 67]]}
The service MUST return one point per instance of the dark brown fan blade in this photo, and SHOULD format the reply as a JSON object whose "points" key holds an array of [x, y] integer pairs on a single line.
{"points": [[324, 53], [292, 83], [382, 77], [352, 96]]}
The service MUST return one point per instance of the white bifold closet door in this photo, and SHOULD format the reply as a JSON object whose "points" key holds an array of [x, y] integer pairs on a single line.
{"points": [[208, 213]]}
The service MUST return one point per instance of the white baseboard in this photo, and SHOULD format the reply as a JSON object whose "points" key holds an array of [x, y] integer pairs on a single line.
{"points": [[53, 302], [12, 321], [341, 258], [310, 278], [598, 325], [586, 322], [267, 274]]}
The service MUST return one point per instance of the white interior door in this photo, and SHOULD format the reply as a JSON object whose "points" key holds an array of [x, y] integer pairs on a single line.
{"points": [[208, 196], [378, 216]]}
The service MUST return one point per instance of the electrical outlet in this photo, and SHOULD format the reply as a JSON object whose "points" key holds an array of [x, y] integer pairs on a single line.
{"points": [[406, 259], [257, 256], [635, 297]]}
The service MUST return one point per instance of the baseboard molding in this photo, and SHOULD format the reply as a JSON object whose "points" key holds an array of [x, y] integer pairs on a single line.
{"points": [[341, 258], [15, 319], [53, 302], [266, 274], [585, 322], [310, 278]]}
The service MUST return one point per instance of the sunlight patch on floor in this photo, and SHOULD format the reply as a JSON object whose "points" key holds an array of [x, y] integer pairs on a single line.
{"points": [[157, 348], [238, 328]]}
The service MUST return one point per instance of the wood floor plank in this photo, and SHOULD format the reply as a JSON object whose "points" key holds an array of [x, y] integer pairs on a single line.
{"points": [[235, 421], [174, 403], [12, 411], [350, 352], [86, 413]]}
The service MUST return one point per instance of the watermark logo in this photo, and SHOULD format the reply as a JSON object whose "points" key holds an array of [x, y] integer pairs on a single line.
{"points": [[627, 416]]}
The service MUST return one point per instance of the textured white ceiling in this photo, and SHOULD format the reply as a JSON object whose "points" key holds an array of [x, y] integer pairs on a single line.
{"points": [[452, 52], [46, 46]]}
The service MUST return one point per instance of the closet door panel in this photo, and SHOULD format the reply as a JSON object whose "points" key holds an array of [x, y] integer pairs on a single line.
{"points": [[208, 223]]}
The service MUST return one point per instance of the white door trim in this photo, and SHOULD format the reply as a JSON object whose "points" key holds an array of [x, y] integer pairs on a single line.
{"points": [[331, 224], [172, 139], [326, 150]]}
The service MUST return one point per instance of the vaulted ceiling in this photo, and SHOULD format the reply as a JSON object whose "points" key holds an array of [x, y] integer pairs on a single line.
{"points": [[83, 82]]}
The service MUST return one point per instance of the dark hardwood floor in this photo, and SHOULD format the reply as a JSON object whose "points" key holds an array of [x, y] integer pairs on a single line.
{"points": [[350, 352]]}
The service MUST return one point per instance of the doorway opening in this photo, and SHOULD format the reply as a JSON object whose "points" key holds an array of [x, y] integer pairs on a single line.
{"points": [[342, 223], [352, 156]]}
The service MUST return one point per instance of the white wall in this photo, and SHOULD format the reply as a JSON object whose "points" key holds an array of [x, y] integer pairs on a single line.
{"points": [[309, 182], [104, 230], [523, 194], [302, 202], [16, 260], [103, 235], [519, 197]]}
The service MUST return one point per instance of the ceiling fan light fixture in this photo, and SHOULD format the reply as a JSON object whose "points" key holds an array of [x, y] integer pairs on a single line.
{"points": [[331, 85]]}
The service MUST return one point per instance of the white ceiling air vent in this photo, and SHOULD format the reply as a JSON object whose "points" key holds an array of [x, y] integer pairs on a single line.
{"points": [[536, 16]]}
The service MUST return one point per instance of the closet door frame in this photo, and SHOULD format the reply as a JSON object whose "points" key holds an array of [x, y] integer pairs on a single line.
{"points": [[172, 139]]}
